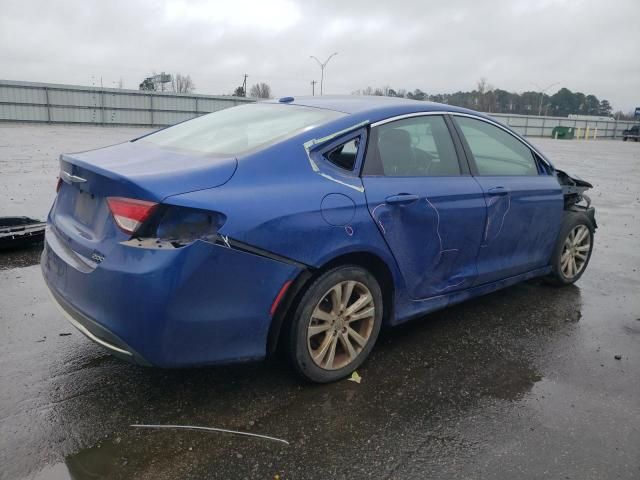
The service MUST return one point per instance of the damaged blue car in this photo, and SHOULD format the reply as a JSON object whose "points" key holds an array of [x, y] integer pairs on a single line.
{"points": [[303, 224]]}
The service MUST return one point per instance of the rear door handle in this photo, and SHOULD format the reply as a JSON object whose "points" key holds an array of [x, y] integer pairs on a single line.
{"points": [[402, 199], [497, 191]]}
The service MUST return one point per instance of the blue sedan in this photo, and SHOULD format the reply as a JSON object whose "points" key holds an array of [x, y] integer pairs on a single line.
{"points": [[306, 224]]}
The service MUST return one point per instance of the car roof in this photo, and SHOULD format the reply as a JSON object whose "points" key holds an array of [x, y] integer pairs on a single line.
{"points": [[362, 104], [365, 109]]}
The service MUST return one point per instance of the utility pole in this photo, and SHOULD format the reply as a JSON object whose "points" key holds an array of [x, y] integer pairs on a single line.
{"points": [[244, 84], [322, 67], [313, 87], [542, 92]]}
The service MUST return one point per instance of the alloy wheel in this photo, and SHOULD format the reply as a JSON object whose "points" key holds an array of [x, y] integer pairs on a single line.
{"points": [[341, 325], [575, 251]]}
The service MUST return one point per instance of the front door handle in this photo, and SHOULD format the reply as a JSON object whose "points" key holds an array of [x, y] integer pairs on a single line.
{"points": [[402, 199], [497, 191]]}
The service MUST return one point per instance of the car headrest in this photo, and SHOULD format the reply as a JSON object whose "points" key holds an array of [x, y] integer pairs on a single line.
{"points": [[396, 137]]}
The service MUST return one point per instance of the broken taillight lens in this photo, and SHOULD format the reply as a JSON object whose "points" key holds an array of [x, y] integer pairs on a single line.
{"points": [[183, 225], [130, 213]]}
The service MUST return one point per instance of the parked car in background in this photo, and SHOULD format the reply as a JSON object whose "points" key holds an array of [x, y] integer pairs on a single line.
{"points": [[633, 133], [305, 224]]}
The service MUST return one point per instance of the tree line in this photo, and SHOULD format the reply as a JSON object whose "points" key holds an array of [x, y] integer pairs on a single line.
{"points": [[484, 97], [487, 98]]}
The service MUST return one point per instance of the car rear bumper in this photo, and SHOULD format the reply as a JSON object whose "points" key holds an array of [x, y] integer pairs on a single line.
{"points": [[96, 332], [196, 305]]}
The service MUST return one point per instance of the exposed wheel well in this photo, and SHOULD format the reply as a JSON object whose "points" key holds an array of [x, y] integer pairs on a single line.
{"points": [[366, 260]]}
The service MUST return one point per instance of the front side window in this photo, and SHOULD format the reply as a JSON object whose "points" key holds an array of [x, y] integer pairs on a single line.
{"points": [[238, 130], [413, 147], [495, 151]]}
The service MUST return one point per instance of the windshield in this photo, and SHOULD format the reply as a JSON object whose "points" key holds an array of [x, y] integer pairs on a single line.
{"points": [[237, 130]]}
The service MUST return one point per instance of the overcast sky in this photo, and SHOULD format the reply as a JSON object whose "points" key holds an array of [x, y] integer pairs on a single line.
{"points": [[437, 46]]}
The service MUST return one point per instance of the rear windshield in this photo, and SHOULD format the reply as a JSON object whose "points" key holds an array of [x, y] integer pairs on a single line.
{"points": [[240, 129]]}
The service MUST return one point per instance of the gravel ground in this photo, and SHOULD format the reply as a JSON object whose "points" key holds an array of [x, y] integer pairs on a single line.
{"points": [[522, 383]]}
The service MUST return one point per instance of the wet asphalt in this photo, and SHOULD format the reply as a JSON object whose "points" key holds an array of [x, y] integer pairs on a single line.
{"points": [[522, 383]]}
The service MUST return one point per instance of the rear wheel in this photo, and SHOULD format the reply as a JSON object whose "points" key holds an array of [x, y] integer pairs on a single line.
{"points": [[335, 324], [573, 249]]}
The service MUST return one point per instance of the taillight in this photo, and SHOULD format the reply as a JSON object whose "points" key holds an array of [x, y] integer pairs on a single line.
{"points": [[183, 225], [130, 213]]}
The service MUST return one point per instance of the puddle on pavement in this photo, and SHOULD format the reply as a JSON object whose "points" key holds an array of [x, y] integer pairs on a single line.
{"points": [[101, 461]]}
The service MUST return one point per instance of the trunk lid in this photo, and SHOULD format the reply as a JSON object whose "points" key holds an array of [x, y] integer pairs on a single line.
{"points": [[80, 215]]}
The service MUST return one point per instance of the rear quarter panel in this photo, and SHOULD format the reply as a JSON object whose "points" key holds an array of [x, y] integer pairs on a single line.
{"points": [[274, 202]]}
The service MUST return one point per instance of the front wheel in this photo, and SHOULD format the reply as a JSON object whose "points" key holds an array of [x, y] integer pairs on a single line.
{"points": [[573, 249], [335, 324]]}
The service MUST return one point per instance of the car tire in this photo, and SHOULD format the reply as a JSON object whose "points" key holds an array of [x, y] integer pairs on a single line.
{"points": [[326, 342], [573, 249], [624, 139]]}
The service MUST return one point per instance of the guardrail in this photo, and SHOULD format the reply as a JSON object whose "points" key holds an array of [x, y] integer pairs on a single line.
{"points": [[55, 103]]}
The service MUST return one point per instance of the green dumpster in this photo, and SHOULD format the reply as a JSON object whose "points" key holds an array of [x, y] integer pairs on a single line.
{"points": [[564, 133]]}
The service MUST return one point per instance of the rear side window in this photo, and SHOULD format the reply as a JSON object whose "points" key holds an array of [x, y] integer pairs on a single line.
{"points": [[344, 156], [495, 151], [238, 130], [413, 147]]}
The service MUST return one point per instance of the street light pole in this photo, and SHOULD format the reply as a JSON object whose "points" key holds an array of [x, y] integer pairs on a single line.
{"points": [[542, 92], [322, 67]]}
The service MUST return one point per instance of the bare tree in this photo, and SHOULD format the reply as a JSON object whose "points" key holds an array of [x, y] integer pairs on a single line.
{"points": [[182, 83], [260, 90], [486, 98], [481, 86]]}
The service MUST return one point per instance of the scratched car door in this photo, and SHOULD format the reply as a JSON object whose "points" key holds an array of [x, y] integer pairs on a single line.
{"points": [[430, 211], [524, 202]]}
